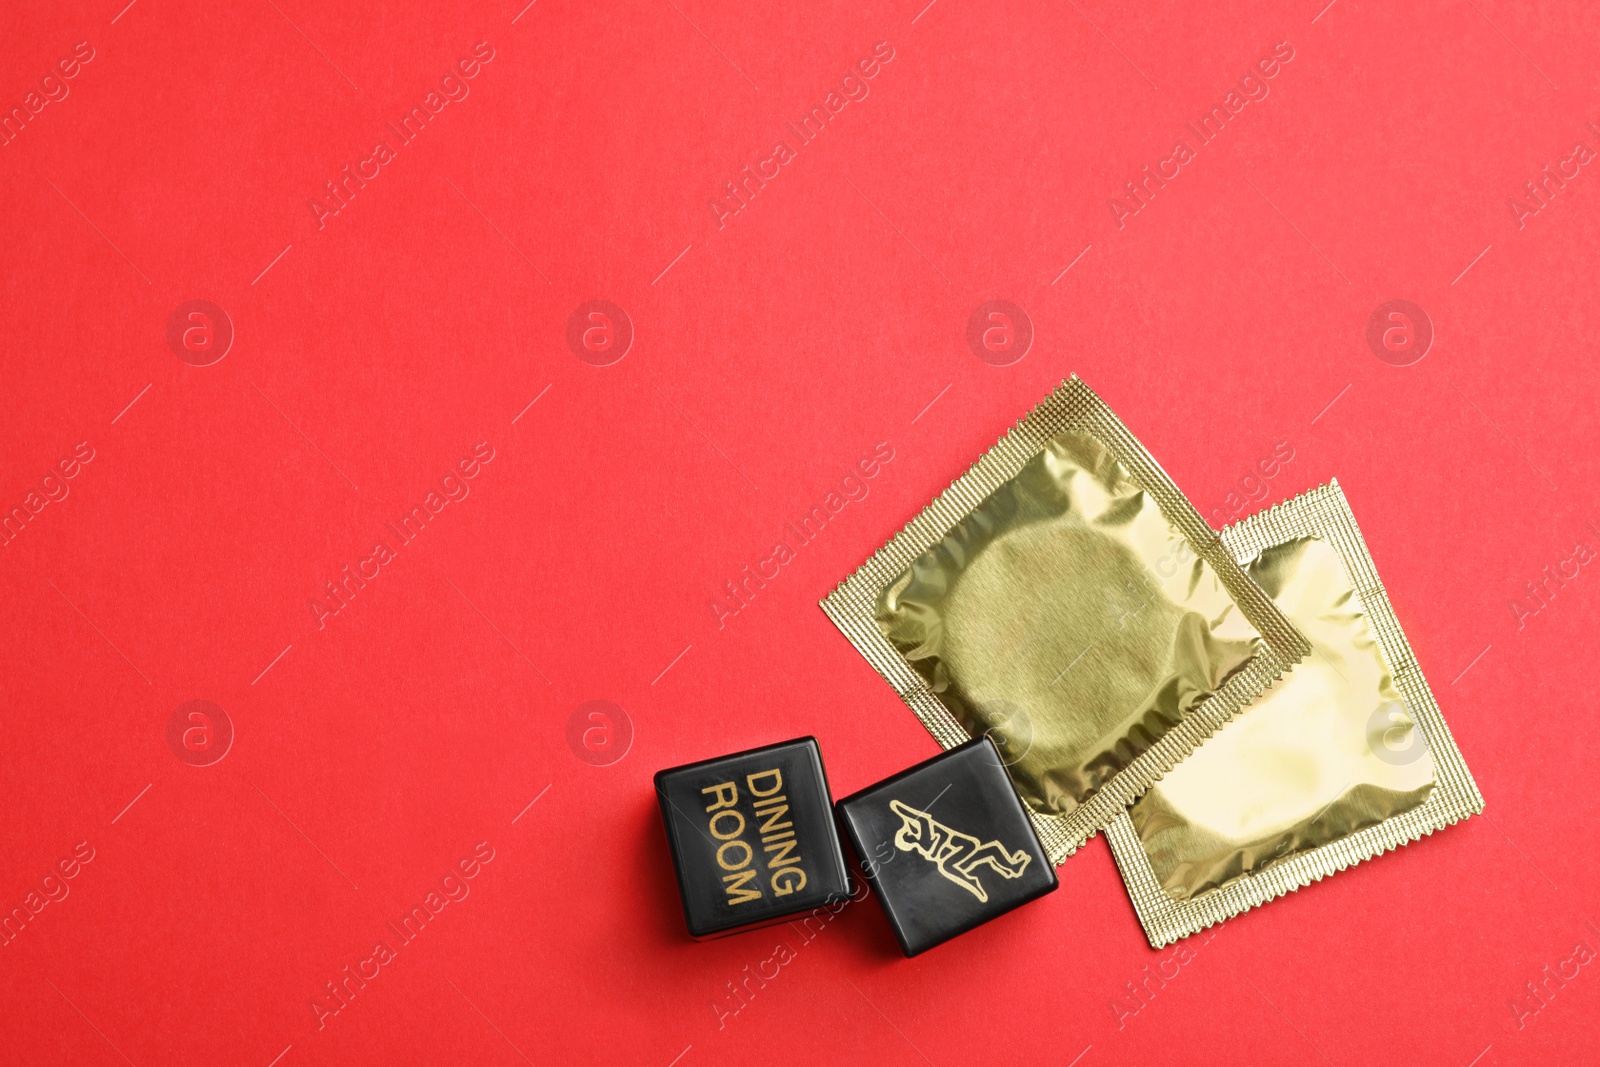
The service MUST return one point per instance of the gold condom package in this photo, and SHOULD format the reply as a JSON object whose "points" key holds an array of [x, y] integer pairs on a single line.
{"points": [[1065, 598], [1344, 758]]}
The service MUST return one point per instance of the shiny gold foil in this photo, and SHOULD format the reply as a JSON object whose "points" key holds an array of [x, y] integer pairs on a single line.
{"points": [[1343, 758], [1300, 768], [1065, 598]]}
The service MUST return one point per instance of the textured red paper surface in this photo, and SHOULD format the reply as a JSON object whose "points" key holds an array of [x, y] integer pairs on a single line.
{"points": [[375, 346]]}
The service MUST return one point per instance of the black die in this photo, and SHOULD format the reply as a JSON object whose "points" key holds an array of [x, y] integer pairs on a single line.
{"points": [[947, 845], [752, 837]]}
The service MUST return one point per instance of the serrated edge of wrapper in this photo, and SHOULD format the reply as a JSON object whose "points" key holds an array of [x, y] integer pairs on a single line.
{"points": [[1321, 512]]}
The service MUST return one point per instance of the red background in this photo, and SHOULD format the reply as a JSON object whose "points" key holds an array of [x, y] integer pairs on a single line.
{"points": [[371, 354]]}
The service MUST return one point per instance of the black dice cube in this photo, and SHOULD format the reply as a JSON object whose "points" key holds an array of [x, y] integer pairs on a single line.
{"points": [[752, 837], [947, 845]]}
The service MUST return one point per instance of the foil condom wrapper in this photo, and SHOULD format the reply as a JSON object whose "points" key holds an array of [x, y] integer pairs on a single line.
{"points": [[1064, 598], [1344, 758]]}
